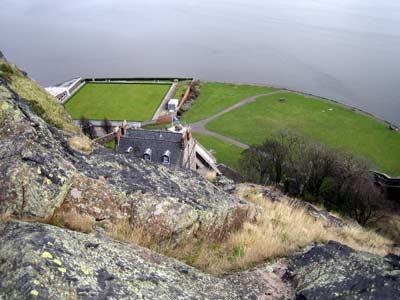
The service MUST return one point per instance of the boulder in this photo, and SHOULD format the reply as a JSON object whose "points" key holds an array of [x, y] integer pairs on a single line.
{"points": [[335, 271], [39, 261]]}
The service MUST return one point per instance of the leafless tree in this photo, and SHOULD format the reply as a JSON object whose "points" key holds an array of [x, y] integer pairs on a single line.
{"points": [[87, 127], [106, 125]]}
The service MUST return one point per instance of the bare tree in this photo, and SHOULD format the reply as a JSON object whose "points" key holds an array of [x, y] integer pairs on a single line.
{"points": [[339, 180], [107, 126], [87, 127]]}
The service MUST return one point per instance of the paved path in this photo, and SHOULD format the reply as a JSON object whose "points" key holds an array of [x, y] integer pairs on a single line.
{"points": [[171, 93], [199, 126]]}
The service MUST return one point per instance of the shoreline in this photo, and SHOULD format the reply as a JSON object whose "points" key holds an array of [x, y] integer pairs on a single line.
{"points": [[338, 102]]}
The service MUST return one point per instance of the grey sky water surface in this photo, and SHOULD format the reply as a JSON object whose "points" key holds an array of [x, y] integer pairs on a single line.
{"points": [[348, 50]]}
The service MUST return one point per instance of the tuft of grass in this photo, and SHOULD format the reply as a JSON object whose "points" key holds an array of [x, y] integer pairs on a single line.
{"points": [[44, 104], [389, 226], [208, 175], [73, 220], [81, 143], [123, 231], [6, 70], [5, 217]]}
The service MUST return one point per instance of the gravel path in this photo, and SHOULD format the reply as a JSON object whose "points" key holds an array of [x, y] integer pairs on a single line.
{"points": [[200, 126]]}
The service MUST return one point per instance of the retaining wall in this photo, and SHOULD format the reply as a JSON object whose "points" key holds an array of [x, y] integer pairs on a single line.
{"points": [[390, 185], [185, 96]]}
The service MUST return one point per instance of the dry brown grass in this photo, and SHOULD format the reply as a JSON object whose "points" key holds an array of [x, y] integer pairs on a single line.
{"points": [[5, 217], [280, 230], [389, 226], [73, 220], [81, 143], [208, 175]]}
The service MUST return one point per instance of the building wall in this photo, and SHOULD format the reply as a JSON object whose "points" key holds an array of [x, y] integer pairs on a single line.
{"points": [[189, 154]]}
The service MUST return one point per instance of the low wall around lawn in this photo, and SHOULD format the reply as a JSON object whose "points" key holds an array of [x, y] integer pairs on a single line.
{"points": [[150, 80], [164, 120], [105, 138], [390, 185], [185, 96]]}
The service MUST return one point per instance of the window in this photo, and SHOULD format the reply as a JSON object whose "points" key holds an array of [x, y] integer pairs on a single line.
{"points": [[147, 154], [166, 158]]}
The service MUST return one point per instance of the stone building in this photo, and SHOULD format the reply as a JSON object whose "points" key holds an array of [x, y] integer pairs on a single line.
{"points": [[174, 148]]}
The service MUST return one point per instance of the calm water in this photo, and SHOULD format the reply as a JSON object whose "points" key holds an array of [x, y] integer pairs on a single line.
{"points": [[348, 50]]}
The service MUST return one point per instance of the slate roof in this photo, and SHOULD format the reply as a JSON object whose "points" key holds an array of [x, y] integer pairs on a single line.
{"points": [[158, 141], [158, 135]]}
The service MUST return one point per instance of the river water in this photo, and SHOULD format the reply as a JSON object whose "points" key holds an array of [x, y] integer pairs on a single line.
{"points": [[348, 50]]}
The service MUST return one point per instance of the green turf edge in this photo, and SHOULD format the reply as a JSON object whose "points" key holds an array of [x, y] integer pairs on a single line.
{"points": [[342, 127], [215, 97], [67, 104], [224, 152]]}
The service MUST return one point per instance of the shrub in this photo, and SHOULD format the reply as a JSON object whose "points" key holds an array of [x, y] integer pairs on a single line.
{"points": [[6, 71], [87, 127], [338, 180]]}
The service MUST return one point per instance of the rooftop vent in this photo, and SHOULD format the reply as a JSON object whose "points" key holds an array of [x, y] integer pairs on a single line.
{"points": [[147, 154], [166, 158]]}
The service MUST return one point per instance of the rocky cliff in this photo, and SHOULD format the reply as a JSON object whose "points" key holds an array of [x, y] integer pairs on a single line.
{"points": [[45, 170], [40, 172]]}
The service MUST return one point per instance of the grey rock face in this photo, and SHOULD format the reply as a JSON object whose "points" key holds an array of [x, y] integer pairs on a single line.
{"points": [[39, 261], [335, 271], [40, 172]]}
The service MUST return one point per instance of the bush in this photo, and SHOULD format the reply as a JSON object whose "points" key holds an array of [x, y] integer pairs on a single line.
{"points": [[6, 71], [87, 127], [338, 180]]}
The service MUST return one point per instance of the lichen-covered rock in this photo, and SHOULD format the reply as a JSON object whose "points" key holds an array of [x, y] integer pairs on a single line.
{"points": [[33, 171], [266, 282], [40, 172], [335, 271], [40, 261]]}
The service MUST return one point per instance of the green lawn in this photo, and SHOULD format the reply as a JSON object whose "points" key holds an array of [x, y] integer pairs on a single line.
{"points": [[334, 125], [110, 144], [116, 101], [224, 152], [215, 97], [182, 87]]}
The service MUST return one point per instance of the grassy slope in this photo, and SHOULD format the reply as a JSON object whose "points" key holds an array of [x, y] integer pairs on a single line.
{"points": [[182, 87], [215, 97], [42, 102], [135, 102], [340, 128], [225, 152]]}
